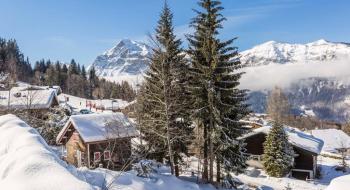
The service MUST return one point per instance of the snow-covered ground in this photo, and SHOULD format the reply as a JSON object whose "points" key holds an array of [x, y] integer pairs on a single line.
{"points": [[257, 177], [78, 103], [340, 183], [130, 181], [254, 178], [28, 163]]}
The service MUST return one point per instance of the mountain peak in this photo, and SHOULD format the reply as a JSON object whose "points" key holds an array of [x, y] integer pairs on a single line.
{"points": [[273, 52], [124, 62], [126, 42], [319, 42]]}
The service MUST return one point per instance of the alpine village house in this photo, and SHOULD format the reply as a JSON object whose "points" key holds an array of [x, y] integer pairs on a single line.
{"points": [[306, 149], [35, 99], [97, 140]]}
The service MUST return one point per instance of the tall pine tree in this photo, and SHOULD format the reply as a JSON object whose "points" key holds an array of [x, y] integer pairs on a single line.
{"points": [[214, 83], [167, 117]]}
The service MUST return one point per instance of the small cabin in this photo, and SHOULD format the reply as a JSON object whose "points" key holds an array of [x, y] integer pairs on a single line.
{"points": [[306, 148], [36, 101], [97, 140]]}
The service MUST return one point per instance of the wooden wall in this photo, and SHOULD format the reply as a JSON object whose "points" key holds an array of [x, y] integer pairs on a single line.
{"points": [[74, 144], [120, 153], [255, 144]]}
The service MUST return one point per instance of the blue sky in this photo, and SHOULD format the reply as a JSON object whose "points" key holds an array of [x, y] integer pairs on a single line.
{"points": [[82, 29]]}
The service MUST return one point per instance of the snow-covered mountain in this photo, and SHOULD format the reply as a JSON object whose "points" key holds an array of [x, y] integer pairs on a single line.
{"points": [[327, 98], [126, 61], [283, 53]]}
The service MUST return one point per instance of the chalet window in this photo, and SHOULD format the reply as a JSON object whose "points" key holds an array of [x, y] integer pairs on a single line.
{"points": [[97, 156], [107, 155]]}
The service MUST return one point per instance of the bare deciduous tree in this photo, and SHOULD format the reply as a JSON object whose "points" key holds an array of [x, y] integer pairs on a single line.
{"points": [[278, 106]]}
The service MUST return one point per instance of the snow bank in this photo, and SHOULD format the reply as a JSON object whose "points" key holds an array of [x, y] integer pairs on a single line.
{"points": [[340, 183], [129, 181], [333, 139], [27, 163]]}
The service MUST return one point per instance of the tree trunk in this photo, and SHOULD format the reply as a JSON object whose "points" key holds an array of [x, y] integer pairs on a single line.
{"points": [[168, 133], [176, 163], [205, 155], [171, 158], [218, 170], [211, 155]]}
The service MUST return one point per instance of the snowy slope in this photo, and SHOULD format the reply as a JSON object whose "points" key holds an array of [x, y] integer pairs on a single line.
{"points": [[126, 61], [77, 103], [273, 52], [27, 163], [332, 138]]}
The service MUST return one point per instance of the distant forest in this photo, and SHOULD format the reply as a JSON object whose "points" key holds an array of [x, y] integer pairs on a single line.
{"points": [[73, 78]]}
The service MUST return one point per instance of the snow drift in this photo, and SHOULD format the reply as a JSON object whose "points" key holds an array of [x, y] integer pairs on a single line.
{"points": [[340, 183], [27, 163]]}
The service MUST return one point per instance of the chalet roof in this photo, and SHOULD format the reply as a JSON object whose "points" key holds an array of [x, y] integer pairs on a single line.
{"points": [[25, 87], [295, 136], [28, 99], [100, 127]]}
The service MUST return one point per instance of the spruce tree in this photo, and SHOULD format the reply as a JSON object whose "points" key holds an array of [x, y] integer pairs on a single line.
{"points": [[214, 83], [278, 153], [83, 72], [58, 77], [166, 120], [73, 68], [93, 81]]}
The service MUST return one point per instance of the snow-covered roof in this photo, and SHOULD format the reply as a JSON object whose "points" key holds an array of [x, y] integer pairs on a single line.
{"points": [[340, 183], [28, 163], [100, 127], [25, 86], [332, 138], [296, 138], [28, 99]]}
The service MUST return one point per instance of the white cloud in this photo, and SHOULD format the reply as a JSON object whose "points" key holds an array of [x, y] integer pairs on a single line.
{"points": [[268, 76]]}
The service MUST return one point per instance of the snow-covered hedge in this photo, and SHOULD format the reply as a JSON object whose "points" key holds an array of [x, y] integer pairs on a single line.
{"points": [[27, 163]]}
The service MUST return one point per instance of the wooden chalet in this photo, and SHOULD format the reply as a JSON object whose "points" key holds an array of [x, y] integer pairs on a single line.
{"points": [[38, 101], [306, 148], [97, 140]]}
